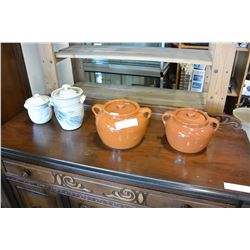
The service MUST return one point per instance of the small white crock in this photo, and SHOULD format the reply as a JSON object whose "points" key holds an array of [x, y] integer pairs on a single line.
{"points": [[39, 108], [68, 106]]}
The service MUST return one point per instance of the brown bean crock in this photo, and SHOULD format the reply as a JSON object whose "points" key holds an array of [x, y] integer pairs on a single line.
{"points": [[121, 123], [189, 130]]}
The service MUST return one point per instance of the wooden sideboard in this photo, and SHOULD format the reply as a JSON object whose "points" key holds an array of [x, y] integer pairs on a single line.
{"points": [[45, 166]]}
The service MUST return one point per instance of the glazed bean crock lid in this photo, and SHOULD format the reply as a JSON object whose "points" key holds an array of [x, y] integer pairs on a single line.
{"points": [[37, 100], [121, 107], [191, 116], [66, 92]]}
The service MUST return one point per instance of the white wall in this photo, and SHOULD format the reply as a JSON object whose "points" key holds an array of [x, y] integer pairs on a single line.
{"points": [[35, 71]]}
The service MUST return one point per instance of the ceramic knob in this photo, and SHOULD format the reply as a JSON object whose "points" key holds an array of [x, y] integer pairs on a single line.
{"points": [[26, 174]]}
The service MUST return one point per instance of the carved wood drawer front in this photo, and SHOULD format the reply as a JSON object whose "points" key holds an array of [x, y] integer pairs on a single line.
{"points": [[104, 193], [28, 171], [178, 201]]}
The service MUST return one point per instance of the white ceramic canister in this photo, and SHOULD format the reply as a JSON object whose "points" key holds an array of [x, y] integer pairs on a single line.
{"points": [[39, 108], [68, 106], [243, 114]]}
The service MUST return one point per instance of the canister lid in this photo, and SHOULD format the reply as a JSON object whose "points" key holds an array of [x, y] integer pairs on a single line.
{"points": [[191, 116], [37, 100], [121, 107], [66, 92]]}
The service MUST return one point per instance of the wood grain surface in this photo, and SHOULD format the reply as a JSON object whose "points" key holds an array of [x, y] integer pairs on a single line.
{"points": [[144, 95], [226, 159], [173, 55]]}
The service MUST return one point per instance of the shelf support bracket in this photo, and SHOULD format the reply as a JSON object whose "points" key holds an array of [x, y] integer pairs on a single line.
{"points": [[223, 57], [48, 61]]}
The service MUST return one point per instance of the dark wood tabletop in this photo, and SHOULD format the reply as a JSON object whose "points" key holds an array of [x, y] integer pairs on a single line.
{"points": [[152, 162]]}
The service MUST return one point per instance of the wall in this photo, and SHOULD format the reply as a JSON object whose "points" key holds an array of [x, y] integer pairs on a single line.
{"points": [[34, 68]]}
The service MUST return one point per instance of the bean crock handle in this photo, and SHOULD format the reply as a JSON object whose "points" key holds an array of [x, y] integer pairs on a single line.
{"points": [[82, 99], [97, 108], [166, 116], [146, 112], [26, 106], [214, 121]]}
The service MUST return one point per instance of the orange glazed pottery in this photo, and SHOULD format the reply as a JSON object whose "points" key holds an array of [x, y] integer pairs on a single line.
{"points": [[121, 123], [189, 130]]}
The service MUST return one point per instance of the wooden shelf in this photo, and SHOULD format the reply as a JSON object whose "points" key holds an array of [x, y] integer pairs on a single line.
{"points": [[157, 54], [144, 95], [242, 49]]}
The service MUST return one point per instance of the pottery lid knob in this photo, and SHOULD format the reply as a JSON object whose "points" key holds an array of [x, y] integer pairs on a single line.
{"points": [[36, 100]]}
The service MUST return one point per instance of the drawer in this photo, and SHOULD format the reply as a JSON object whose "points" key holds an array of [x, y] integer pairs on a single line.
{"points": [[27, 171], [104, 193], [158, 199]]}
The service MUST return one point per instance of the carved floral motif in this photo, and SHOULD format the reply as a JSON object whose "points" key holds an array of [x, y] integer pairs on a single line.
{"points": [[70, 182], [87, 196], [228, 121], [129, 195]]}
